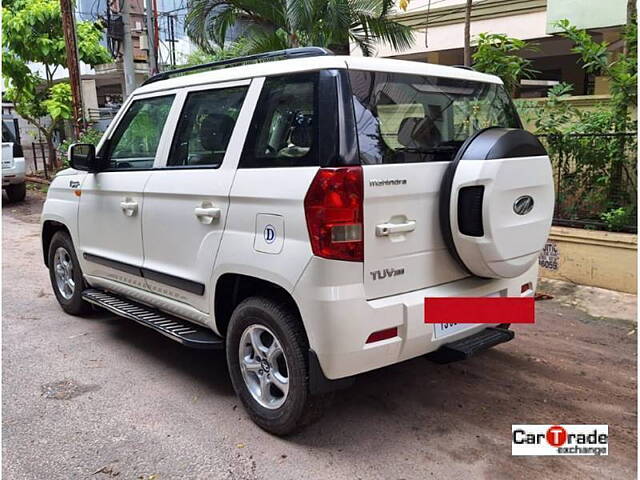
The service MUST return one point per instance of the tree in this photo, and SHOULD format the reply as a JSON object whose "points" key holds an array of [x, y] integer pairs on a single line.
{"points": [[279, 24], [467, 34], [622, 72], [33, 34], [495, 54], [215, 54]]}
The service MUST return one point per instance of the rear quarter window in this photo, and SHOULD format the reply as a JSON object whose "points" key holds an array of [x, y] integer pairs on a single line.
{"points": [[284, 128]]}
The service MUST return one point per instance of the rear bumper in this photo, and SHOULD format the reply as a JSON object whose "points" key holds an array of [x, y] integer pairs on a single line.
{"points": [[338, 319], [14, 174]]}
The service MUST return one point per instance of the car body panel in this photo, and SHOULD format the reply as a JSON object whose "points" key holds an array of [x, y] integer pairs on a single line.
{"points": [[264, 233]]}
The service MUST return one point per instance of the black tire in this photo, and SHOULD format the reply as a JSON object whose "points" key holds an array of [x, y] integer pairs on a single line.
{"points": [[299, 407], [74, 305], [17, 192]]}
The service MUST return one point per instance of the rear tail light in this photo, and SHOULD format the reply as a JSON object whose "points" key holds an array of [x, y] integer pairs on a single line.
{"points": [[333, 208], [383, 335], [525, 287]]}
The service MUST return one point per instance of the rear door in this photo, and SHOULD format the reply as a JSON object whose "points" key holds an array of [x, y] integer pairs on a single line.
{"points": [[409, 129], [187, 198]]}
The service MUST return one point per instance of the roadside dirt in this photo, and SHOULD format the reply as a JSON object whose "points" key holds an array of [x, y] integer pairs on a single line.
{"points": [[27, 211], [141, 405], [596, 302]]}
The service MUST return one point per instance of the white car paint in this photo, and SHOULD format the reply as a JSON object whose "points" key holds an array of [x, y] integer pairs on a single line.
{"points": [[339, 318], [13, 169], [339, 302], [188, 248], [312, 64], [511, 242], [421, 253]]}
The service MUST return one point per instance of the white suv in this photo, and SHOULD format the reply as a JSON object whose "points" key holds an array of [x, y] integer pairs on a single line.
{"points": [[298, 212], [14, 168]]}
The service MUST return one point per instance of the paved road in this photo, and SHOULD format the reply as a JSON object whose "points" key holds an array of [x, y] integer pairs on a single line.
{"points": [[100, 394]]}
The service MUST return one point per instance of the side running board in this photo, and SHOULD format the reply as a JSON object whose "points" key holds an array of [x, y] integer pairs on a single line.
{"points": [[183, 331]]}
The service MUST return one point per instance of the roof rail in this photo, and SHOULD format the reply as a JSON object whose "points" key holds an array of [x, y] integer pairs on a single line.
{"points": [[285, 54]]}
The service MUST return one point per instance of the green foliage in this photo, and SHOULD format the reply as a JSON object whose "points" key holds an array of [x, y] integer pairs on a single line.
{"points": [[33, 34], [601, 172], [58, 104], [278, 24], [597, 59], [585, 159], [556, 115], [595, 55], [215, 54], [90, 135], [594, 161], [499, 55], [617, 219]]}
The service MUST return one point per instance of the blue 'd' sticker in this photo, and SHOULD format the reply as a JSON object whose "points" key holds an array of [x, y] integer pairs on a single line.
{"points": [[269, 234]]}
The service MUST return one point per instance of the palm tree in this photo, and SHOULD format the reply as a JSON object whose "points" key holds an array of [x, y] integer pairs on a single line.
{"points": [[279, 24]]}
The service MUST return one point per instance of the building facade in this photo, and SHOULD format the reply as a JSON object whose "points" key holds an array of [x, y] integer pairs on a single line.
{"points": [[438, 27], [103, 86]]}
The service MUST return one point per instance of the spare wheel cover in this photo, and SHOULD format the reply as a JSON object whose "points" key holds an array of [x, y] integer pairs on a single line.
{"points": [[496, 202]]}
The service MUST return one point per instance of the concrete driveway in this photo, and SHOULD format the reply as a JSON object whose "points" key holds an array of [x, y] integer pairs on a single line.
{"points": [[102, 397]]}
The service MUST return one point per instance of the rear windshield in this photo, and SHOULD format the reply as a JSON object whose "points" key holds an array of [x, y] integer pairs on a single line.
{"points": [[411, 118]]}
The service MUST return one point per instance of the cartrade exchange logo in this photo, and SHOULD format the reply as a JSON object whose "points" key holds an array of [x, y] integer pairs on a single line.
{"points": [[559, 440]]}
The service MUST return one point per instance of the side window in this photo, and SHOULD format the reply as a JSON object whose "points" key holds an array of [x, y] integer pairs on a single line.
{"points": [[135, 140], [284, 129], [205, 127]]}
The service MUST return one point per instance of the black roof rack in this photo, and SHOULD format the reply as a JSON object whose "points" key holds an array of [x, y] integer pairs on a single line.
{"points": [[285, 54]]}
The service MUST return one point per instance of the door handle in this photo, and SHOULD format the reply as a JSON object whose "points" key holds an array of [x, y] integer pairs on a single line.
{"points": [[129, 207], [207, 214], [386, 229]]}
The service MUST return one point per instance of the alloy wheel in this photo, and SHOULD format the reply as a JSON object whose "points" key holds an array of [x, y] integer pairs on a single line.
{"points": [[264, 366], [63, 269]]}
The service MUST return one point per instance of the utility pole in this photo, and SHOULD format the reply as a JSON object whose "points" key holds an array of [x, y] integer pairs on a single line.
{"points": [[156, 31], [68, 27], [151, 40], [172, 40], [467, 34], [127, 51]]}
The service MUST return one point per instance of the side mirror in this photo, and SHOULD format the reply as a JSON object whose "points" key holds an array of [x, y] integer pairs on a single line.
{"points": [[82, 156]]}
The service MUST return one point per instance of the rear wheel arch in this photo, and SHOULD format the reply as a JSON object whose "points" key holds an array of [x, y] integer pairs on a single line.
{"points": [[233, 288], [49, 228]]}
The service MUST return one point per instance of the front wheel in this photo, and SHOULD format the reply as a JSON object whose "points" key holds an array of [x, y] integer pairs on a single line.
{"points": [[267, 358], [65, 274]]}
